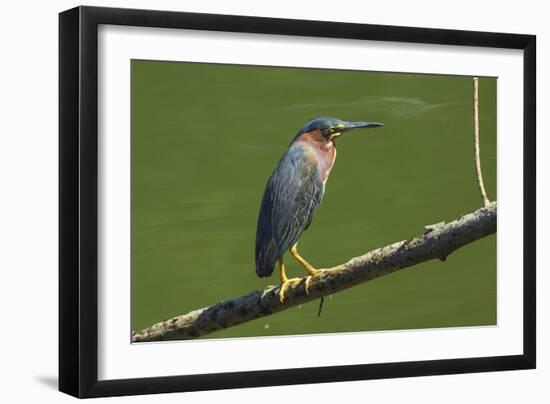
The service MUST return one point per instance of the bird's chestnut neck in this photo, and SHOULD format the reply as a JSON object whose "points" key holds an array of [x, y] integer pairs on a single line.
{"points": [[315, 138], [323, 151]]}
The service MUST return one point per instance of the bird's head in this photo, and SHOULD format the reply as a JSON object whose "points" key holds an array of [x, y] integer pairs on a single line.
{"points": [[330, 128]]}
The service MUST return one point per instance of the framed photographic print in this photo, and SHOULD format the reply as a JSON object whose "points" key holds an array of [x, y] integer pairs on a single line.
{"points": [[251, 201]]}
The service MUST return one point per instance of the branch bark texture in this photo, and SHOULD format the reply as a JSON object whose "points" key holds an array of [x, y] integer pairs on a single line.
{"points": [[437, 242]]}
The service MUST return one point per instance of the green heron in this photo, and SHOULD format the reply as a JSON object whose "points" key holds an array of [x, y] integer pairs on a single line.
{"points": [[293, 193]]}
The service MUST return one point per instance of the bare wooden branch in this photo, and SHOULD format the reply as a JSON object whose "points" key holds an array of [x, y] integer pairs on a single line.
{"points": [[437, 243], [479, 177]]}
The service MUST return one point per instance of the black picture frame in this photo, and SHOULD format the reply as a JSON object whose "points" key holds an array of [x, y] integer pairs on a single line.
{"points": [[78, 196]]}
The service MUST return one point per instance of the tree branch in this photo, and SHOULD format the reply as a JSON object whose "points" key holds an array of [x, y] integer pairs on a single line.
{"points": [[437, 242]]}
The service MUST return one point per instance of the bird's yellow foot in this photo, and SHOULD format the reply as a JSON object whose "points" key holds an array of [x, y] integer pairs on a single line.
{"points": [[312, 273], [284, 286]]}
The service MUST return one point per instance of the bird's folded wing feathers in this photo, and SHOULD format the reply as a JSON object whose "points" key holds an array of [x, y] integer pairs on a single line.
{"points": [[292, 195]]}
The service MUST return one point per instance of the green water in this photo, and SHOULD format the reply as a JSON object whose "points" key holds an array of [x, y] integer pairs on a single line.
{"points": [[206, 138]]}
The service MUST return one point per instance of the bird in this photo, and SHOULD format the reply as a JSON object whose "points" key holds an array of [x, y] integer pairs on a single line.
{"points": [[293, 193]]}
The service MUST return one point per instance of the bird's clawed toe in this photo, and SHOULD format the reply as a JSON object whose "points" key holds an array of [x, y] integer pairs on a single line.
{"points": [[313, 273], [284, 287]]}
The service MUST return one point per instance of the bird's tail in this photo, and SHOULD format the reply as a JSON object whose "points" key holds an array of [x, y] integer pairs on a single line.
{"points": [[264, 265]]}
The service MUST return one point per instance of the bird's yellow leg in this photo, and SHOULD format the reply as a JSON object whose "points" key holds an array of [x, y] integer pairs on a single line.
{"points": [[284, 280], [309, 268]]}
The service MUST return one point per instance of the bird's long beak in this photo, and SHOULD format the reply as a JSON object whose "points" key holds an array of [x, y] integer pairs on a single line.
{"points": [[356, 125], [347, 126]]}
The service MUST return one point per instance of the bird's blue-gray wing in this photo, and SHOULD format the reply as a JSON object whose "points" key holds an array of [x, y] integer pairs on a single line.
{"points": [[292, 194]]}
